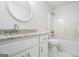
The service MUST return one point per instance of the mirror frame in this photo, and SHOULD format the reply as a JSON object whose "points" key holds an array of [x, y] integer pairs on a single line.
{"points": [[27, 19]]}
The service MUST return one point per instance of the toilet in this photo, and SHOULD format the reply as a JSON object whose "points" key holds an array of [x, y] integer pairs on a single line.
{"points": [[52, 44], [55, 51]]}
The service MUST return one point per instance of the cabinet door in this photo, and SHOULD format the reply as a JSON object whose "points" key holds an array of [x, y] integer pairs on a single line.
{"points": [[20, 55], [44, 50], [33, 52]]}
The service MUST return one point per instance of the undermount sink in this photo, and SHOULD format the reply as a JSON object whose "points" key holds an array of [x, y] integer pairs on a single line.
{"points": [[6, 35]]}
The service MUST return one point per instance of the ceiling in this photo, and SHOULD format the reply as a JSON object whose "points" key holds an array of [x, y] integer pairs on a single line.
{"points": [[56, 4]]}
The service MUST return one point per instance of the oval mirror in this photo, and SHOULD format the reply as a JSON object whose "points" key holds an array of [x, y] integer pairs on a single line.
{"points": [[20, 10]]}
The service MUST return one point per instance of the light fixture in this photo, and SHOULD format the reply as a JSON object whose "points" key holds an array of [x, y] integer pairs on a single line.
{"points": [[60, 20]]}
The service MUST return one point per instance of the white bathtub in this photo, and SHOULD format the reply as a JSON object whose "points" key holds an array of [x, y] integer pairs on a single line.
{"points": [[68, 47]]}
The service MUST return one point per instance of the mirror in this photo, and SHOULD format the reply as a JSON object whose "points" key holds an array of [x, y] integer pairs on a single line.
{"points": [[20, 10]]}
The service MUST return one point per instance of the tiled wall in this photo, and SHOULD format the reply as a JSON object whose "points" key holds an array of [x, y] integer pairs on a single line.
{"points": [[68, 28]]}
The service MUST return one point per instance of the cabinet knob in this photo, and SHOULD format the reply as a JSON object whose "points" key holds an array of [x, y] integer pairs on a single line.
{"points": [[22, 56], [28, 54]]}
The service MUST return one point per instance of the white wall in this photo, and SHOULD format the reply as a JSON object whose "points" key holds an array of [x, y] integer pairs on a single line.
{"points": [[51, 19], [68, 28], [39, 20]]}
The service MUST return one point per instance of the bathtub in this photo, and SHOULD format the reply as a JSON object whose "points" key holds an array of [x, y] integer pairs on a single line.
{"points": [[67, 48]]}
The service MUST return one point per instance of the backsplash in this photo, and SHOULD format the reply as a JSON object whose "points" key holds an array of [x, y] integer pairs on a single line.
{"points": [[19, 31]]}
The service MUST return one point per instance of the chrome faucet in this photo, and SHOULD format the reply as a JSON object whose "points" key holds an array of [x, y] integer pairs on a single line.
{"points": [[15, 28]]}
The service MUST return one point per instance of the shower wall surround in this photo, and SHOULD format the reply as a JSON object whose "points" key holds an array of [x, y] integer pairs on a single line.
{"points": [[66, 21]]}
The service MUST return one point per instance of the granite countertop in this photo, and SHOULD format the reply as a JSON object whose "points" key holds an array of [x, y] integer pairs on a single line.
{"points": [[4, 39], [21, 35]]}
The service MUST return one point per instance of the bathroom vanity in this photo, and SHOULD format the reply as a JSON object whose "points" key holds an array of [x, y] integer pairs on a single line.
{"points": [[25, 45]]}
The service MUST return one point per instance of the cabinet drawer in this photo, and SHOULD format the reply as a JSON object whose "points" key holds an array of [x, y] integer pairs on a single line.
{"points": [[18, 46], [43, 38]]}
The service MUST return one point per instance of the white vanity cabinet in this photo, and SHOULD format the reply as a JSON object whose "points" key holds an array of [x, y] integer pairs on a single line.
{"points": [[18, 46], [28, 46], [44, 45]]}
